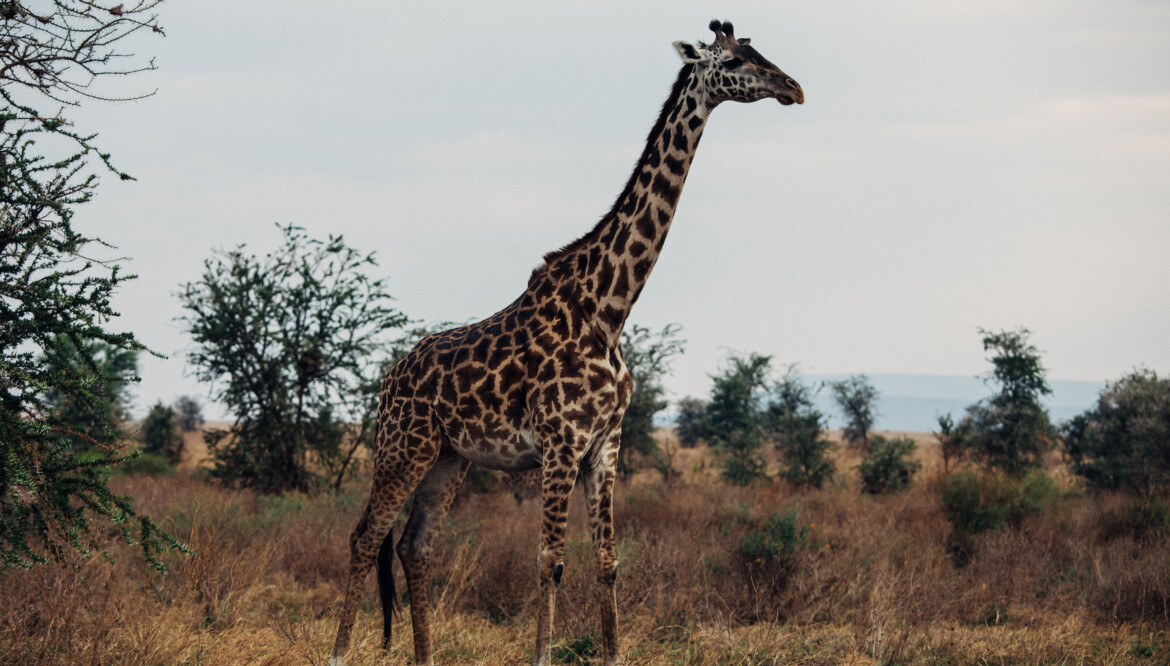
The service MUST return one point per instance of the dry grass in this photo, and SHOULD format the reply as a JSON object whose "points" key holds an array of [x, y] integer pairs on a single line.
{"points": [[870, 583]]}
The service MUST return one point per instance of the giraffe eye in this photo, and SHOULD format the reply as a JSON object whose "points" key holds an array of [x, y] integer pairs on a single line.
{"points": [[732, 63]]}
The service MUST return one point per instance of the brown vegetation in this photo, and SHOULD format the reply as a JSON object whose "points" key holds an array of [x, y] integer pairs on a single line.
{"points": [[868, 580]]}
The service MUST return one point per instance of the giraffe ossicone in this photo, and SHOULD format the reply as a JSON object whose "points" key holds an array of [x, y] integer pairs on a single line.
{"points": [[542, 383]]}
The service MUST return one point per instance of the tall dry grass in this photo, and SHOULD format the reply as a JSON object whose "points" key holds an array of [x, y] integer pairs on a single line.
{"points": [[869, 580]]}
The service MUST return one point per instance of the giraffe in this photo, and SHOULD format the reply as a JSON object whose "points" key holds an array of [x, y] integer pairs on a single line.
{"points": [[541, 383]]}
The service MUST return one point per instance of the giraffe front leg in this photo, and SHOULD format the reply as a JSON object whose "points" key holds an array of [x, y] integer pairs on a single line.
{"points": [[599, 480], [557, 479]]}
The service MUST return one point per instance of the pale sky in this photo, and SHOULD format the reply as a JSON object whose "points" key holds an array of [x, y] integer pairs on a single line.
{"points": [[956, 165]]}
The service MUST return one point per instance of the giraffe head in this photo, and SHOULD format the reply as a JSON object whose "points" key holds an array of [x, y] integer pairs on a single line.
{"points": [[729, 69]]}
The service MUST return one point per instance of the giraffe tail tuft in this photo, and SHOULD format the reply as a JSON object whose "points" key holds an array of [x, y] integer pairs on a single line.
{"points": [[385, 569]]}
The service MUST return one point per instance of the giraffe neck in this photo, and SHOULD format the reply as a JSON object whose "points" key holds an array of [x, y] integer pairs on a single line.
{"points": [[610, 264]]}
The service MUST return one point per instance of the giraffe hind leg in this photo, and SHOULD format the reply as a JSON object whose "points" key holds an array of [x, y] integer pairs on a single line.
{"points": [[396, 474], [432, 500]]}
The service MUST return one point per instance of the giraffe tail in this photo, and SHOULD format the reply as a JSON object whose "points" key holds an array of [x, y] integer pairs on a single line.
{"points": [[386, 587]]}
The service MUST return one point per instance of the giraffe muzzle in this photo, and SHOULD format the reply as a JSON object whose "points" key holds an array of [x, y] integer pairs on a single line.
{"points": [[791, 94]]}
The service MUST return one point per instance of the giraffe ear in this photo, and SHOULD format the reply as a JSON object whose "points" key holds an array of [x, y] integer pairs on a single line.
{"points": [[692, 53], [744, 41]]}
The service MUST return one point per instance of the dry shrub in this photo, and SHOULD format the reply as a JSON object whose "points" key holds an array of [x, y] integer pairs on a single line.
{"points": [[868, 581]]}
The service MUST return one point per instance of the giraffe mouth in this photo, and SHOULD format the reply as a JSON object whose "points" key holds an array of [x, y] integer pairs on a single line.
{"points": [[791, 94], [790, 97]]}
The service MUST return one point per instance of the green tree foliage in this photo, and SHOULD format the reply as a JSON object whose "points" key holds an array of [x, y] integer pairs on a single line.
{"points": [[778, 540], [954, 439], [647, 355], [289, 341], [160, 433], [56, 397], [976, 503], [112, 370], [734, 416], [797, 426], [691, 422], [888, 467], [857, 398], [1010, 430], [1124, 441], [188, 414]]}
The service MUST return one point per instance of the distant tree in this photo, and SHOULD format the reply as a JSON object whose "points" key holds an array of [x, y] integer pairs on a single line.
{"points": [[954, 440], [188, 414], [55, 290], [1124, 441], [647, 355], [1010, 430], [161, 434], [856, 397], [690, 424], [734, 416], [797, 426], [888, 466], [289, 341]]}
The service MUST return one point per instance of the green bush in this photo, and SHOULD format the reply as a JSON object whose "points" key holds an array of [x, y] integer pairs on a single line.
{"points": [[647, 355], [1011, 430], [798, 428], [160, 433], [777, 540], [733, 417], [977, 503], [146, 464], [1139, 518], [888, 466], [1124, 442], [856, 398], [580, 650]]}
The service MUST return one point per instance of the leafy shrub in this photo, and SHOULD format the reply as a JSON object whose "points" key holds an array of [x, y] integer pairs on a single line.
{"points": [[977, 503], [1124, 442], [1139, 518], [733, 417], [160, 433], [647, 355], [689, 424], [1010, 430], [888, 467], [288, 341], [580, 650], [954, 439], [798, 426], [777, 540], [188, 413], [856, 397], [146, 464]]}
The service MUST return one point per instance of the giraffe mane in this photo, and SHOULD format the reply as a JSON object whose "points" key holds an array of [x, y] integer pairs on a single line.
{"points": [[675, 93]]}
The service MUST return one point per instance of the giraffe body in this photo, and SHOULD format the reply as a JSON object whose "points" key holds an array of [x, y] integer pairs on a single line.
{"points": [[542, 383]]}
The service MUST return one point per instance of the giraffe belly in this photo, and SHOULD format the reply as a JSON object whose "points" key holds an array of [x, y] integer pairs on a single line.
{"points": [[512, 452]]}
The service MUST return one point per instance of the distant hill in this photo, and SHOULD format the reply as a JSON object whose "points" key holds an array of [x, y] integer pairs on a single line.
{"points": [[914, 402]]}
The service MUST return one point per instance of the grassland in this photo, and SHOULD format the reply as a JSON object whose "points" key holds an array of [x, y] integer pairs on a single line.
{"points": [[868, 580]]}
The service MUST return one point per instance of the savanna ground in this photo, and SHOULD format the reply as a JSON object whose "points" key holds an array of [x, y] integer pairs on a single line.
{"points": [[865, 580]]}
